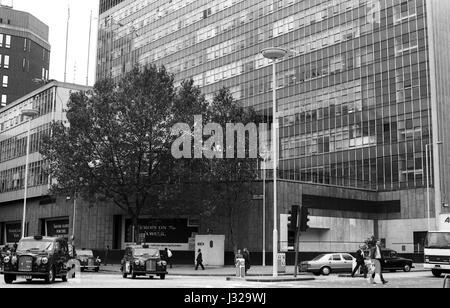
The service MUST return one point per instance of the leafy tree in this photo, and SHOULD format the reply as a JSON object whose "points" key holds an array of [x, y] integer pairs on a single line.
{"points": [[116, 143], [230, 181]]}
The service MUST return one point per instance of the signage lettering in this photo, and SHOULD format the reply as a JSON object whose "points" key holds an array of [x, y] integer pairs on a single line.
{"points": [[447, 221]]}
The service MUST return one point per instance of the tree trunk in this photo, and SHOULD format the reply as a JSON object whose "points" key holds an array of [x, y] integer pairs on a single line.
{"points": [[135, 229]]}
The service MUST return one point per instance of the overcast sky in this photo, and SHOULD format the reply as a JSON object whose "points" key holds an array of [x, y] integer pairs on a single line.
{"points": [[54, 14]]}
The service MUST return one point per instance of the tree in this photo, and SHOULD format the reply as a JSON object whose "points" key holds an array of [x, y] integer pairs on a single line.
{"points": [[229, 184], [116, 144]]}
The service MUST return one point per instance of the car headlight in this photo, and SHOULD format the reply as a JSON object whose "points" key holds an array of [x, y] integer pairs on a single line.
{"points": [[137, 262], [14, 260], [38, 261], [162, 263], [427, 260], [6, 259], [44, 260]]}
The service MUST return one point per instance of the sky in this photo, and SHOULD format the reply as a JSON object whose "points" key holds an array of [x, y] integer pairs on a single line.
{"points": [[54, 13]]}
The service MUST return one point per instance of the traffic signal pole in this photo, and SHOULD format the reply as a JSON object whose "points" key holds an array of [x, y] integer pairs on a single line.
{"points": [[297, 248]]}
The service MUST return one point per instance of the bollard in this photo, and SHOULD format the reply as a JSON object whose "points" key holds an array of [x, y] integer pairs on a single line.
{"points": [[447, 282]]}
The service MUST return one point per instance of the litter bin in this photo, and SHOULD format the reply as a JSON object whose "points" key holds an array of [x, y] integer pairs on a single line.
{"points": [[240, 268], [281, 257]]}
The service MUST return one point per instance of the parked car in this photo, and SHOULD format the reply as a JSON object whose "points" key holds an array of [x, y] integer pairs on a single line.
{"points": [[393, 262], [141, 260], [88, 261], [37, 258], [326, 264]]}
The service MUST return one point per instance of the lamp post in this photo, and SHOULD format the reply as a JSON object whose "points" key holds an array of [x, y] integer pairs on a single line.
{"points": [[427, 149], [30, 113], [274, 54]]}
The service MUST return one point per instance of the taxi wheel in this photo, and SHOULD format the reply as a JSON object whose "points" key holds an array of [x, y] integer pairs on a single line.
{"points": [[325, 271], [9, 279], [162, 277], [407, 268], [97, 269], [436, 273], [124, 275], [64, 278], [51, 276], [29, 280]]}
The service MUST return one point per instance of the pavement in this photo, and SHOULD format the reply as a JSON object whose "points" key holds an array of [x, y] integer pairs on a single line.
{"points": [[230, 271], [106, 280]]}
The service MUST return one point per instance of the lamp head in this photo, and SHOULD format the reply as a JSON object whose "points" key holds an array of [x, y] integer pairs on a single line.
{"points": [[274, 53]]}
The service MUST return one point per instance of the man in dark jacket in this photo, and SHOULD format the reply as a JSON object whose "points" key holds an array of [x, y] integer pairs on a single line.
{"points": [[246, 256], [377, 258], [360, 262], [199, 260]]}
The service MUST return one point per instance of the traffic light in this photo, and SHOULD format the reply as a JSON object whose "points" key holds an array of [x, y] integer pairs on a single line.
{"points": [[293, 224], [304, 219]]}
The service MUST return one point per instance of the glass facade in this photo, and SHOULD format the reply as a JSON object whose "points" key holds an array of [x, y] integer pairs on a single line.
{"points": [[353, 93]]}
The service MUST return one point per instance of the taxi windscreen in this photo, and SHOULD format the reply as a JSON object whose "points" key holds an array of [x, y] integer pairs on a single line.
{"points": [[35, 246], [140, 252]]}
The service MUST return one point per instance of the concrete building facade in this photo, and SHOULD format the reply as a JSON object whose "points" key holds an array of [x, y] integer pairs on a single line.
{"points": [[24, 54]]}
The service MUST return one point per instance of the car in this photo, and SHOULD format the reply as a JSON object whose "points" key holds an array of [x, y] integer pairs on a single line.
{"points": [[393, 262], [325, 264], [87, 260], [37, 257], [141, 260]]}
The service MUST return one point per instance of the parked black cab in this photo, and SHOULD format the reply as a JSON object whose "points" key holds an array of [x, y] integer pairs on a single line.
{"points": [[37, 258]]}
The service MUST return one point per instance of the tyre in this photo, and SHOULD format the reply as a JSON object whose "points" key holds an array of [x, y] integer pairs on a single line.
{"points": [[316, 273], [29, 280], [64, 278], [163, 276], [436, 273], [325, 271], [9, 279], [51, 276], [124, 275], [82, 269], [407, 268], [97, 269]]}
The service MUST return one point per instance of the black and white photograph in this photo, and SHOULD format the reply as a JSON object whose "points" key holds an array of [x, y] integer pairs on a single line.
{"points": [[224, 149]]}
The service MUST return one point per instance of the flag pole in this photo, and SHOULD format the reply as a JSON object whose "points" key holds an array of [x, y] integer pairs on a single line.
{"points": [[67, 44]]}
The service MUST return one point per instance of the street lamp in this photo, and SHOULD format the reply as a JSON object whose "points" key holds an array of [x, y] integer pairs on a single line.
{"points": [[30, 113], [428, 182], [274, 54]]}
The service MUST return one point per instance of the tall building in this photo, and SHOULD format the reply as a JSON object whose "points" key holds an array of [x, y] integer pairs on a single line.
{"points": [[24, 54], [361, 97], [44, 215]]}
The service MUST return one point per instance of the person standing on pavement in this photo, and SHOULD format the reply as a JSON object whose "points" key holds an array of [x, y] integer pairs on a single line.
{"points": [[199, 260], [107, 254], [377, 259], [246, 256], [360, 262]]}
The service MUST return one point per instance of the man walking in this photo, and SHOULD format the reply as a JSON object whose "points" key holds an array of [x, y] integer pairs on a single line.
{"points": [[199, 260], [360, 262], [377, 259], [246, 256]]}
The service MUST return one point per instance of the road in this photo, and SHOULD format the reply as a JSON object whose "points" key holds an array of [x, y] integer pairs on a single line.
{"points": [[102, 280]]}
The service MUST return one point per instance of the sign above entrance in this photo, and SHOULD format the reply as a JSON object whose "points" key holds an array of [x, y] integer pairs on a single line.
{"points": [[13, 232], [58, 228]]}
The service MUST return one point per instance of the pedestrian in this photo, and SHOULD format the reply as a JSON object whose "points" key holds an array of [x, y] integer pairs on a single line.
{"points": [[360, 262], [169, 256], [199, 260], [107, 255], [14, 249], [246, 256], [377, 259]]}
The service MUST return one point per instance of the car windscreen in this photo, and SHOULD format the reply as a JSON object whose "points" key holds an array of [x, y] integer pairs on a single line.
{"points": [[35, 246], [140, 252], [438, 240], [85, 253], [318, 257]]}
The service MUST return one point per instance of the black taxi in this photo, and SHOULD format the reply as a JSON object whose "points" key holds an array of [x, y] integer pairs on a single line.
{"points": [[87, 260], [141, 260], [37, 258]]}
